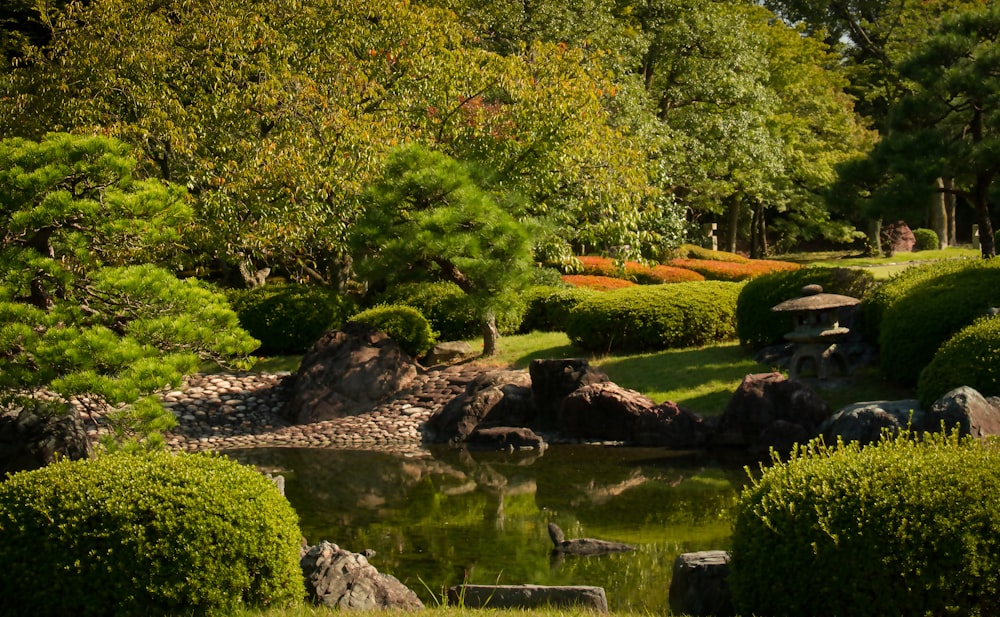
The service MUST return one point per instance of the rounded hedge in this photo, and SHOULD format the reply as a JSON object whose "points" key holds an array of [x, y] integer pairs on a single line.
{"points": [[289, 318], [970, 358], [925, 240], [919, 322], [757, 326], [549, 307], [654, 317], [889, 292], [146, 534], [905, 527], [403, 324]]}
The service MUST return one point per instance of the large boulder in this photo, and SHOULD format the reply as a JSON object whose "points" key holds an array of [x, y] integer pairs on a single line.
{"points": [[554, 380], [608, 411], [966, 409], [766, 409], [865, 422], [345, 580], [504, 438], [700, 586], [347, 372], [33, 438], [491, 399]]}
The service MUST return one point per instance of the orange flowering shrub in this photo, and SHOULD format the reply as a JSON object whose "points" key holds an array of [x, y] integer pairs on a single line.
{"points": [[733, 271], [592, 281], [635, 271]]}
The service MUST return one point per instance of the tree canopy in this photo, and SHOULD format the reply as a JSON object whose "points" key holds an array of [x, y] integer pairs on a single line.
{"points": [[81, 312]]}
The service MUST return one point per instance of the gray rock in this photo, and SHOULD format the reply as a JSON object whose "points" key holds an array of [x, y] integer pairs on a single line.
{"points": [[584, 547], [33, 438], [504, 438], [865, 422], [528, 596], [764, 399], [699, 584], [554, 380], [348, 372], [967, 409], [449, 351], [608, 411], [345, 580], [497, 398]]}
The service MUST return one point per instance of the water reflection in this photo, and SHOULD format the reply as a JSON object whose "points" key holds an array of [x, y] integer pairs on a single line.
{"points": [[443, 517]]}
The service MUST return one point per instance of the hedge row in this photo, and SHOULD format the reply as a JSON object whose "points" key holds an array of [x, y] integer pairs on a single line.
{"points": [[653, 317]]}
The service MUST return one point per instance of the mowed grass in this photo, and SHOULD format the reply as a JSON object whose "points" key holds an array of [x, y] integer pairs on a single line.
{"points": [[702, 379]]}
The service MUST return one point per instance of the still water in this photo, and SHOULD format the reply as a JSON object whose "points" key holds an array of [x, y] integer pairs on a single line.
{"points": [[442, 517]]}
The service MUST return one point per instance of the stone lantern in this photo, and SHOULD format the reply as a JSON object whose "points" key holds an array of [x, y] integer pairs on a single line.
{"points": [[816, 332]]}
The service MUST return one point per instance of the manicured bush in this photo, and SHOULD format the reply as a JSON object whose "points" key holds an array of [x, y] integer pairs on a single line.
{"points": [[549, 307], [757, 326], [888, 293], [919, 322], [715, 270], [596, 282], [692, 251], [146, 534], [905, 527], [403, 324], [925, 240], [970, 358], [654, 317], [289, 318]]}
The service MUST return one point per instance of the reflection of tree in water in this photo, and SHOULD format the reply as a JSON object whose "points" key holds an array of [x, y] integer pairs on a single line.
{"points": [[447, 517]]}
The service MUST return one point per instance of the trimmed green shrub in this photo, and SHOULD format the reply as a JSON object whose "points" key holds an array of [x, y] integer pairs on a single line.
{"points": [[449, 310], [925, 317], [655, 317], [288, 319], [403, 324], [757, 326], [445, 306], [970, 358], [909, 526], [926, 240], [549, 307], [888, 293], [146, 534]]}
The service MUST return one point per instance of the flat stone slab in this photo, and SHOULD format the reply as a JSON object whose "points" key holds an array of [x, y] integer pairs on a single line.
{"points": [[528, 596]]}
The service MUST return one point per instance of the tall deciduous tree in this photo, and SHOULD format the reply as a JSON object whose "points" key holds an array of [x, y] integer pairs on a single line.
{"points": [[81, 314], [950, 123], [427, 219]]}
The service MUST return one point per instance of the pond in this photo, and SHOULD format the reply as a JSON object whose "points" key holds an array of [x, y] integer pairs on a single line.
{"points": [[438, 518]]}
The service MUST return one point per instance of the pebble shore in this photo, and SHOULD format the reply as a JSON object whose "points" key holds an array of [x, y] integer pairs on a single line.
{"points": [[231, 411]]}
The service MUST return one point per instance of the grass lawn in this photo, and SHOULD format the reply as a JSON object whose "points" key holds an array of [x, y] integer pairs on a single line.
{"points": [[880, 267]]}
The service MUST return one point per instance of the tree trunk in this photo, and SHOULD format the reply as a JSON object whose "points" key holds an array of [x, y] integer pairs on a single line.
{"points": [[733, 224], [981, 197], [758, 233], [874, 243], [490, 334], [950, 201], [939, 214]]}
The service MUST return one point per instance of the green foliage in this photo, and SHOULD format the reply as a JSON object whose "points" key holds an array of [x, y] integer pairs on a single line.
{"points": [[403, 324], [288, 319], [428, 219], [947, 299], [888, 293], [654, 317], [926, 240], [549, 307], [80, 311], [970, 358], [757, 326], [149, 534], [905, 527], [444, 304]]}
